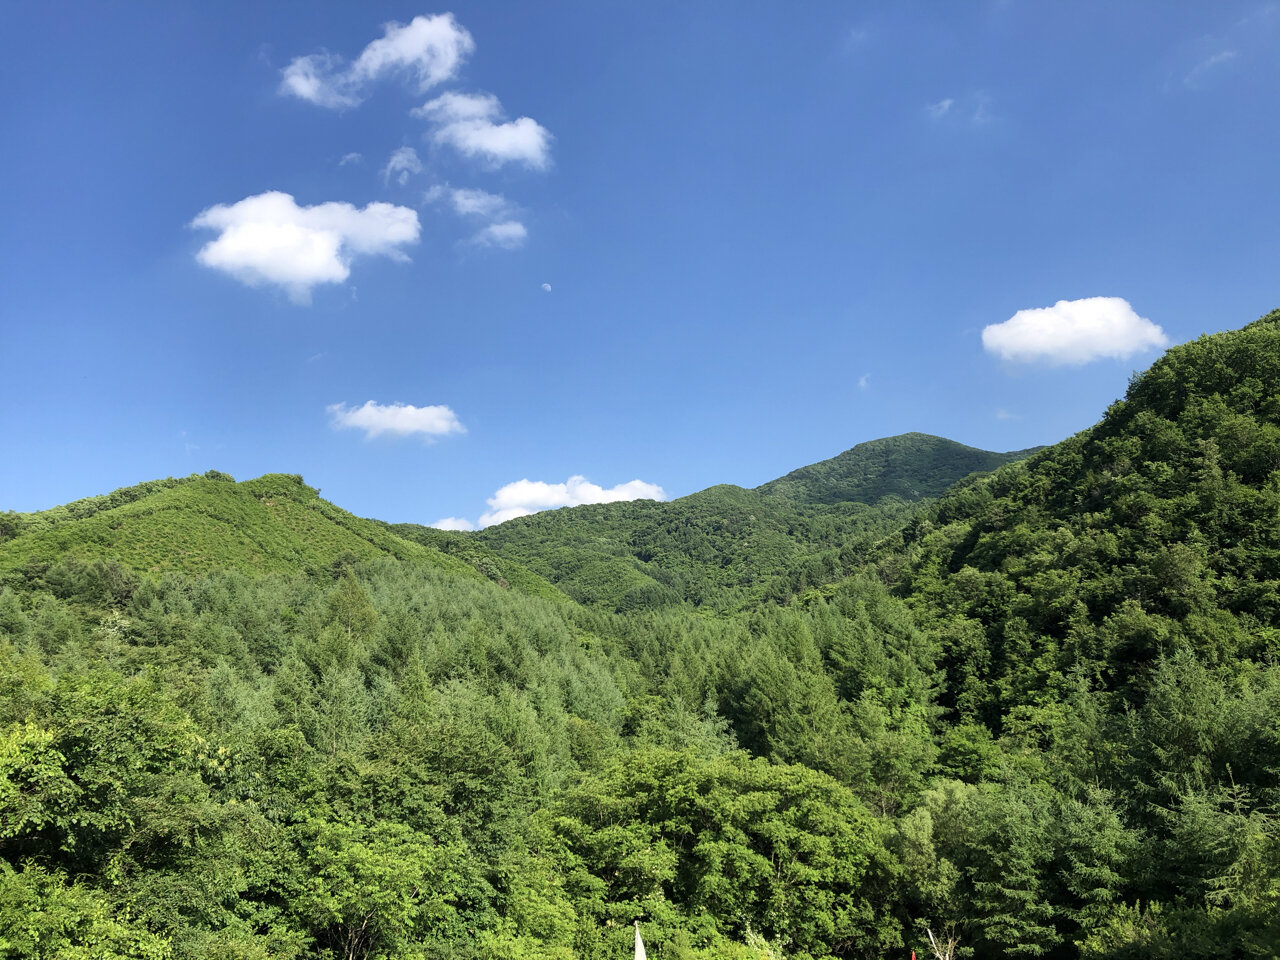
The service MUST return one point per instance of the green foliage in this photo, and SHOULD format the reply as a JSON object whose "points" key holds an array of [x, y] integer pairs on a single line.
{"points": [[724, 548], [43, 917], [1037, 713], [202, 523], [912, 466]]}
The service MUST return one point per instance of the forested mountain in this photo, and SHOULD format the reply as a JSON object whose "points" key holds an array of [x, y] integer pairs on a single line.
{"points": [[727, 547], [911, 466], [1036, 714], [195, 524]]}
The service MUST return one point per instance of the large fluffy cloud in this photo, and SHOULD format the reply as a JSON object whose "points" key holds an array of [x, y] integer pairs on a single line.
{"points": [[270, 239], [1073, 332], [396, 419], [428, 50], [472, 125], [524, 497]]}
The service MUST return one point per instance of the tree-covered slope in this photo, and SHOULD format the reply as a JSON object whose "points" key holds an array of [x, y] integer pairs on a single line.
{"points": [[722, 547], [501, 570], [1105, 618], [275, 523], [727, 546], [912, 466], [1154, 531]]}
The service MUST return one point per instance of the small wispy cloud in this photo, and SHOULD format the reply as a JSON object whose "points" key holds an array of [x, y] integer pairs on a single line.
{"points": [[982, 109], [864, 381], [402, 164], [1003, 414], [855, 37], [502, 229], [940, 109], [508, 234], [1198, 73], [395, 419], [470, 202], [546, 287], [973, 108], [472, 124], [427, 50], [350, 158]]}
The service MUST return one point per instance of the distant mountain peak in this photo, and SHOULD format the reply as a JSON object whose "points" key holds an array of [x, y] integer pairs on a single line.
{"points": [[911, 466]]}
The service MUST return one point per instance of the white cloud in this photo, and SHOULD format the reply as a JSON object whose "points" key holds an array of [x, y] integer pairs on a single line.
{"points": [[524, 497], [454, 523], [546, 287], [1197, 74], [864, 381], [403, 164], [429, 50], [939, 110], [351, 158], [508, 234], [502, 230], [976, 105], [396, 419], [318, 79], [982, 112], [470, 124], [268, 238], [479, 203], [1073, 332]]}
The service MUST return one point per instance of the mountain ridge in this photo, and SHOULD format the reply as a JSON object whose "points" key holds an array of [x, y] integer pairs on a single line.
{"points": [[912, 466]]}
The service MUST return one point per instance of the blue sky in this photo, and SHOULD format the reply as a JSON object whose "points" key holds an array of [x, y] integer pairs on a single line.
{"points": [[770, 231]]}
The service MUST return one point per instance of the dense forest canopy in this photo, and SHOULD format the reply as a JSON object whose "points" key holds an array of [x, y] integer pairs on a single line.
{"points": [[1033, 711]]}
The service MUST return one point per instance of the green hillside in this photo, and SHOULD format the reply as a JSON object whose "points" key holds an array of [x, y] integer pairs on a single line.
{"points": [[502, 571], [726, 546], [1036, 716], [275, 523], [911, 466], [721, 547]]}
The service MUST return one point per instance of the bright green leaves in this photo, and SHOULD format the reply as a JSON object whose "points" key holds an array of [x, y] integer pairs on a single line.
{"points": [[43, 917], [372, 891], [729, 839], [35, 791]]}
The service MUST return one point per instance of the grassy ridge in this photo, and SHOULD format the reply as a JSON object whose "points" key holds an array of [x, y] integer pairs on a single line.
{"points": [[274, 524]]}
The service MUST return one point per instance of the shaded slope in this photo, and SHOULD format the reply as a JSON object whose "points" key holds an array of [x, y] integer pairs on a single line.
{"points": [[912, 466]]}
